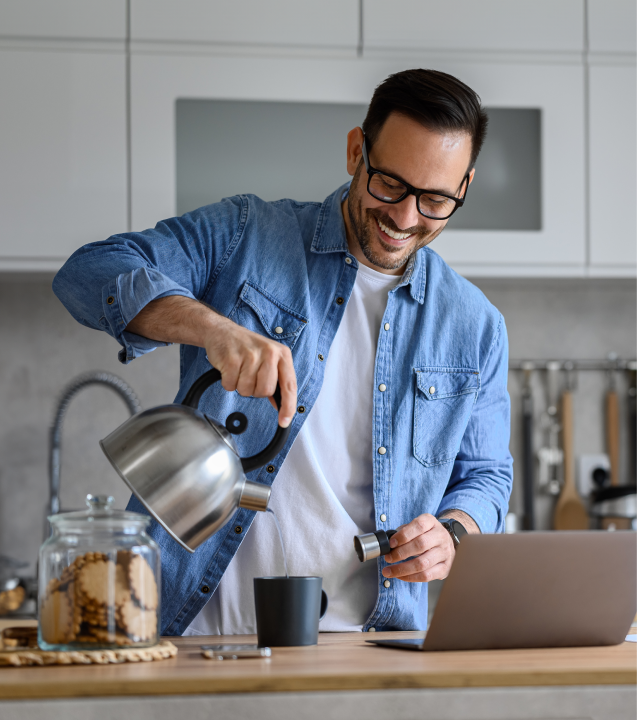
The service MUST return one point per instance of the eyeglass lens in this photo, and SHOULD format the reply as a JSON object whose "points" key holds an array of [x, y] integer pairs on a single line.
{"points": [[387, 189]]}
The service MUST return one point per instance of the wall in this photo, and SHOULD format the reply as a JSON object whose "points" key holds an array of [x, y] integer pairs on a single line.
{"points": [[42, 349]]}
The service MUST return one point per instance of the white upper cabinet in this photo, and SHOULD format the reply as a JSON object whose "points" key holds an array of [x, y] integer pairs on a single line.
{"points": [[613, 174], [62, 154], [612, 26], [558, 245], [329, 23], [612, 108], [556, 91], [65, 19], [487, 25]]}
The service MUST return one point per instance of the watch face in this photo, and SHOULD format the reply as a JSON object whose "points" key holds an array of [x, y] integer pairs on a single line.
{"points": [[458, 529]]}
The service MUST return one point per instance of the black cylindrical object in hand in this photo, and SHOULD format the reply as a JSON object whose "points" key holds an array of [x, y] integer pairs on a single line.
{"points": [[373, 545]]}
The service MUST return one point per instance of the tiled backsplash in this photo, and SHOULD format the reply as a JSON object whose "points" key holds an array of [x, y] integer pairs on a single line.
{"points": [[42, 348]]}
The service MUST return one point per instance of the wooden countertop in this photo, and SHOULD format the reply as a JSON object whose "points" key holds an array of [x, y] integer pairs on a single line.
{"points": [[341, 661]]}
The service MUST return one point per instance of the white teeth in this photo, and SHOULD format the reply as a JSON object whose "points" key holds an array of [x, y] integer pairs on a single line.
{"points": [[391, 233]]}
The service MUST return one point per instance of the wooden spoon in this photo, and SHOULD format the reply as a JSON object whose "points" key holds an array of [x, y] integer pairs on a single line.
{"points": [[612, 434], [570, 513]]}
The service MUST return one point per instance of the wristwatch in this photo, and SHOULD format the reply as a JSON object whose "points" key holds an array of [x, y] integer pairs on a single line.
{"points": [[454, 528]]}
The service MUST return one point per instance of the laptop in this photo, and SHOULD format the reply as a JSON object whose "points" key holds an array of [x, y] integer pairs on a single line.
{"points": [[535, 590]]}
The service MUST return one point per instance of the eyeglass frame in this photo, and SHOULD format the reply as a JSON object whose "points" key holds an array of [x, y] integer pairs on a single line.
{"points": [[411, 190]]}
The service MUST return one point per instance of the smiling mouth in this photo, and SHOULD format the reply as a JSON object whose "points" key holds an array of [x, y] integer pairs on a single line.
{"points": [[394, 237]]}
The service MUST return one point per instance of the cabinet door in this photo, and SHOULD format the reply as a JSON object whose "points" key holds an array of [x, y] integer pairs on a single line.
{"points": [[612, 26], [85, 19], [558, 247], [488, 25], [613, 176], [62, 153], [158, 82], [329, 23]]}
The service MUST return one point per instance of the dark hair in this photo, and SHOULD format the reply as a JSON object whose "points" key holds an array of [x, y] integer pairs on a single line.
{"points": [[436, 100]]}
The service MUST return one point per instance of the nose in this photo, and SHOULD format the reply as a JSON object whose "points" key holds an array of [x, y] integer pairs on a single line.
{"points": [[405, 214]]}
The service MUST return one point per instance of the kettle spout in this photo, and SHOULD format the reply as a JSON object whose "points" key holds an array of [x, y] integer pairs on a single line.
{"points": [[255, 496]]}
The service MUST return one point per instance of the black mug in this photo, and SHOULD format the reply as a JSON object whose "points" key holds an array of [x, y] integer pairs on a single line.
{"points": [[288, 610]]}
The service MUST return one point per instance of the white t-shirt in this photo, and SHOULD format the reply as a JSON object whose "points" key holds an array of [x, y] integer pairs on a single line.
{"points": [[323, 494]]}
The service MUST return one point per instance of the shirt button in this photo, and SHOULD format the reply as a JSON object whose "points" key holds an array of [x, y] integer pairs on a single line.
{"points": [[386, 326], [382, 387], [383, 517], [205, 589], [238, 529], [270, 468], [110, 299], [301, 409], [321, 358], [387, 583], [371, 629], [432, 389], [382, 450], [278, 330], [348, 261], [339, 300]]}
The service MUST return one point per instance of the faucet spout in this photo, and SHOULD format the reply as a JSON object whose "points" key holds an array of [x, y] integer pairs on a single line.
{"points": [[55, 434]]}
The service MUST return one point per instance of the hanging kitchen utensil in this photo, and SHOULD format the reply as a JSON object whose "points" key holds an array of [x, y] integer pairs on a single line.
{"points": [[570, 513], [550, 455], [632, 421], [184, 467], [612, 420], [528, 480]]}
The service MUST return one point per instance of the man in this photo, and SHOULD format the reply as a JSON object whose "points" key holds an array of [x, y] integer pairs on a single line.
{"points": [[392, 368]]}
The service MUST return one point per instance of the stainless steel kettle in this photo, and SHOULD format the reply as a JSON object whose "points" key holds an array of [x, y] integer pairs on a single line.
{"points": [[184, 467]]}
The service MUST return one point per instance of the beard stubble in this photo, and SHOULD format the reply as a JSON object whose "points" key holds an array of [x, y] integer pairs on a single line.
{"points": [[393, 258]]}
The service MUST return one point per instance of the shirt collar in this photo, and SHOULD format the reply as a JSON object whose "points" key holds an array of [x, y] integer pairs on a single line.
{"points": [[330, 236]]}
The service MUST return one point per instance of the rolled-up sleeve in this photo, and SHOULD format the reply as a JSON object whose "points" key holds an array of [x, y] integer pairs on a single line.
{"points": [[482, 475], [104, 285]]}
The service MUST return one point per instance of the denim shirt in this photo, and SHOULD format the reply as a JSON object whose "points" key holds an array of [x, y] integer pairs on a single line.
{"points": [[443, 420]]}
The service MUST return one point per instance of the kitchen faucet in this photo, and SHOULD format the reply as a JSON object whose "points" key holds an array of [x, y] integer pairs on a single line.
{"points": [[55, 436]]}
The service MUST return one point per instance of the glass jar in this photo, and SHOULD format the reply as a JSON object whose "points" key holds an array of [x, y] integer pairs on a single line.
{"points": [[99, 580]]}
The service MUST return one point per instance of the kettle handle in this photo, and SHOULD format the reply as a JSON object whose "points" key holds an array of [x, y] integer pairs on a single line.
{"points": [[193, 396]]}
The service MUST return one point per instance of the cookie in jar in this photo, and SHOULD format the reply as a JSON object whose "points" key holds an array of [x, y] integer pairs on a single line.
{"points": [[99, 580]]}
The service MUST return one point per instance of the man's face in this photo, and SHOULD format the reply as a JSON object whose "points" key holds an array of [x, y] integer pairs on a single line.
{"points": [[384, 236]]}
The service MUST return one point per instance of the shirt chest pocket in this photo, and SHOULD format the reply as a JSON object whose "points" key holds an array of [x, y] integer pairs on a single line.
{"points": [[443, 404], [258, 311]]}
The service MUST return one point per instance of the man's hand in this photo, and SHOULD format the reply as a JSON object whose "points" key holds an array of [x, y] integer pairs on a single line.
{"points": [[252, 365], [429, 546], [248, 362]]}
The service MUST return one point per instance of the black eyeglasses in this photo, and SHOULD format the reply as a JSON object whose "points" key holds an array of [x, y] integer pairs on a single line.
{"points": [[430, 203]]}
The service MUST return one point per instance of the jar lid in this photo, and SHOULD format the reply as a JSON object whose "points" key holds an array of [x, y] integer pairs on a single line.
{"points": [[100, 513]]}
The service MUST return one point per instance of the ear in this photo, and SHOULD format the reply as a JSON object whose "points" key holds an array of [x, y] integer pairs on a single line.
{"points": [[354, 149], [471, 174]]}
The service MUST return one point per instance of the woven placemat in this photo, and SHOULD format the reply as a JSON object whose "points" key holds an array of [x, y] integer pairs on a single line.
{"points": [[29, 656]]}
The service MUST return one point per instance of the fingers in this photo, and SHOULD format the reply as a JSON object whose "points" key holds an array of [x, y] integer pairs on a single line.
{"points": [[415, 565], [437, 572], [252, 365], [287, 383], [422, 551], [414, 538]]}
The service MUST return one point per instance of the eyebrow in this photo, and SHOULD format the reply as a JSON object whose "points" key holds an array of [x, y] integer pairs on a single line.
{"points": [[433, 191]]}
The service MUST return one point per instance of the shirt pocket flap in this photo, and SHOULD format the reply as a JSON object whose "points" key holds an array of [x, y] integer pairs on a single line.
{"points": [[280, 322], [436, 384]]}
